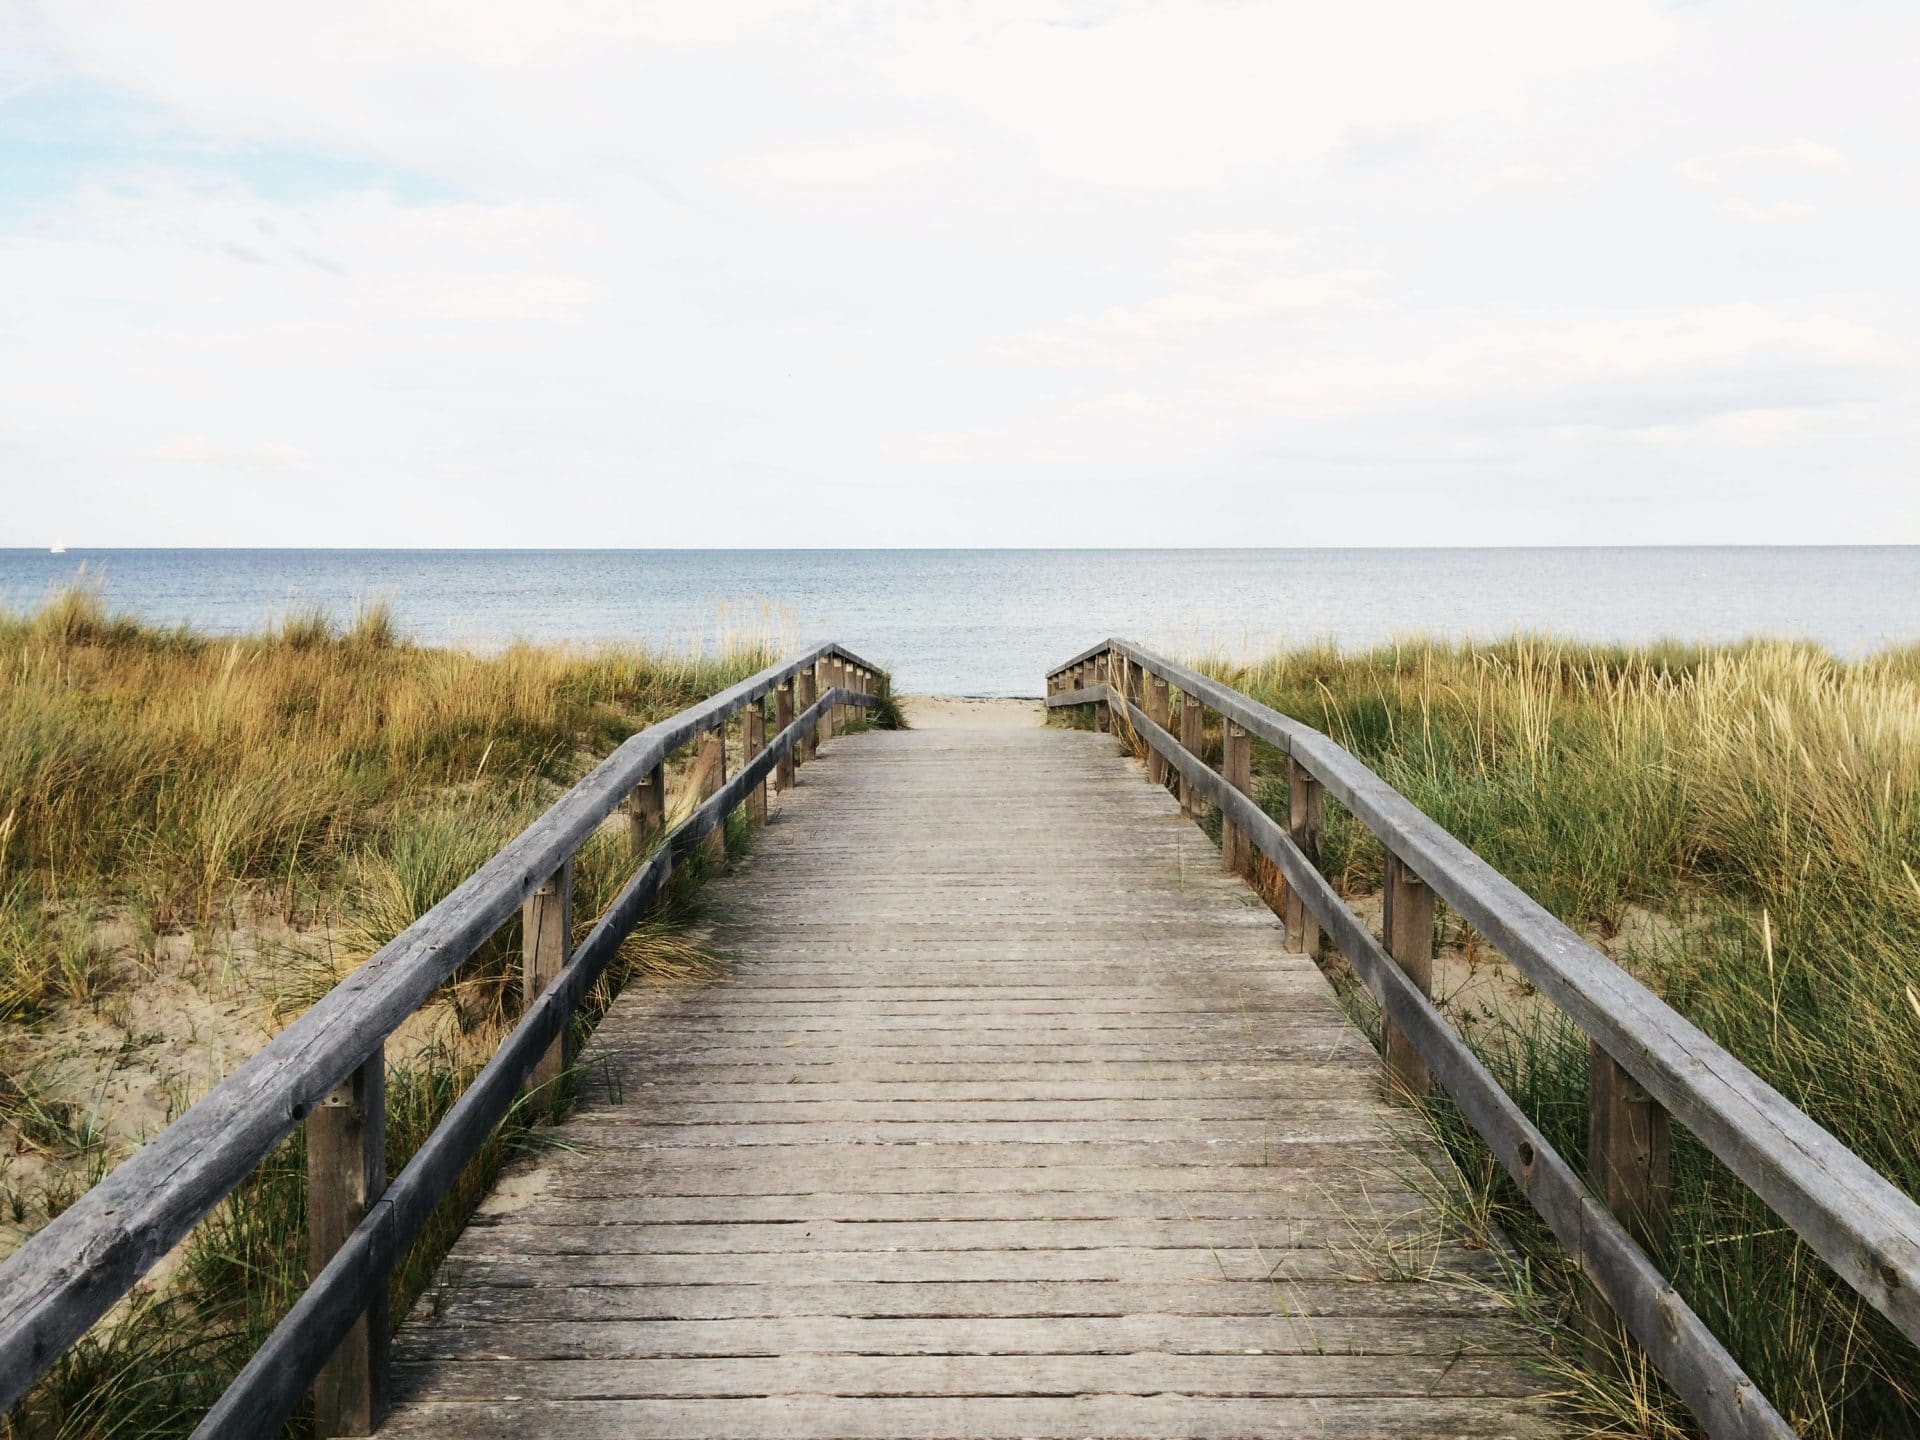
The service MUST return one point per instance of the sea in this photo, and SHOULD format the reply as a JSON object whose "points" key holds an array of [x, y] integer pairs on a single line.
{"points": [[992, 622]]}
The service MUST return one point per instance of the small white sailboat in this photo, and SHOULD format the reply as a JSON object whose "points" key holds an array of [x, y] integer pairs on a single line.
{"points": [[59, 547]]}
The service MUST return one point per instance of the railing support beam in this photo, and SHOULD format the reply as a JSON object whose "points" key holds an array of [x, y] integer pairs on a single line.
{"points": [[782, 718], [1099, 668], [712, 774], [1305, 812], [546, 943], [1158, 711], [346, 1173], [809, 745], [1236, 768], [1629, 1150], [1408, 923], [1193, 738], [753, 740], [646, 809]]}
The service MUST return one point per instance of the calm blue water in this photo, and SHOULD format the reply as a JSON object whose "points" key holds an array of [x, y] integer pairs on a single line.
{"points": [[990, 622]]}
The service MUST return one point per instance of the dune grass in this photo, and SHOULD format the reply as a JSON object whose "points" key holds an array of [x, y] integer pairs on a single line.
{"points": [[331, 777], [1764, 800]]}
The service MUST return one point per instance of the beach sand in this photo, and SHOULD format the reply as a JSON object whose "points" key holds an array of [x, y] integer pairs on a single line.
{"points": [[961, 712]]}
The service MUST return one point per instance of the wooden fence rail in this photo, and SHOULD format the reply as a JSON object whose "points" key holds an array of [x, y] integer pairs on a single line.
{"points": [[1649, 1062], [325, 1069]]}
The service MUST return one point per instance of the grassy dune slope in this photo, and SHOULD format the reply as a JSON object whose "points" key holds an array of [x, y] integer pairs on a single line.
{"points": [[197, 837], [1760, 804]]}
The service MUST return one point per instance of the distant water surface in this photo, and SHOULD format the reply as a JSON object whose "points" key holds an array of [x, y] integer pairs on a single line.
{"points": [[990, 622]]}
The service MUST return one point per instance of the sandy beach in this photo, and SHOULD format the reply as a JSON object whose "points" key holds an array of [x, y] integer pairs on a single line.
{"points": [[965, 712]]}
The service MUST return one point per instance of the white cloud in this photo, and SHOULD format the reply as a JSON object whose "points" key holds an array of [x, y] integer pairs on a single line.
{"points": [[1811, 155], [1516, 177], [1221, 279], [1186, 95], [1623, 372], [515, 297], [264, 457], [1764, 214], [866, 163], [1709, 170]]}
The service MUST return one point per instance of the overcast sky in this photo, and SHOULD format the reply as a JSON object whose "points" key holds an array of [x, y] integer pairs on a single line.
{"points": [[753, 272]]}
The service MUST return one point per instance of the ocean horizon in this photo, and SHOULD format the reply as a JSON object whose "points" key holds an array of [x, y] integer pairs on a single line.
{"points": [[991, 622]]}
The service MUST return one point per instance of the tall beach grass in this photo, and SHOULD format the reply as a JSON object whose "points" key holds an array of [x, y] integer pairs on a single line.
{"points": [[1740, 826]]}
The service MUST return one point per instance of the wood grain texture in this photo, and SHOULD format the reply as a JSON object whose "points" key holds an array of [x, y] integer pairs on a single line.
{"points": [[546, 943], [346, 1174], [1011, 1116]]}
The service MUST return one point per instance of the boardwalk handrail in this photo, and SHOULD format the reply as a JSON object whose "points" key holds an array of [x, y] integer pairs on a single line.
{"points": [[1858, 1221], [85, 1260]]}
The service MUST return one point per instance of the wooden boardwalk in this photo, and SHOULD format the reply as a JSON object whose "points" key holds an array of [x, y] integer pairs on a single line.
{"points": [[1011, 1118]]}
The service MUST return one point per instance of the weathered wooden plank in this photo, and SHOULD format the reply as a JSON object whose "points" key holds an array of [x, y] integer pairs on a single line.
{"points": [[1374, 1314], [1273, 1264], [1147, 1186], [1339, 1308], [762, 1333], [695, 1377], [1265, 1153], [607, 1236], [845, 1417], [653, 1103], [619, 1197]]}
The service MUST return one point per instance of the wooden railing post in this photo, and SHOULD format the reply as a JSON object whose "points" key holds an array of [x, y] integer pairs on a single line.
{"points": [[1236, 768], [1102, 716], [1159, 712], [1131, 689], [1629, 1147], [1193, 737], [713, 774], [753, 740], [1305, 812], [546, 940], [825, 731], [346, 1174], [1408, 923], [810, 741], [647, 809], [782, 718]]}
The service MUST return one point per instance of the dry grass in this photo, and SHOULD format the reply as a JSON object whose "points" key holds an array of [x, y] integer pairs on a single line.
{"points": [[335, 782]]}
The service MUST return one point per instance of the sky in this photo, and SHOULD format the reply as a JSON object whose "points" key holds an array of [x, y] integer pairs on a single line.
{"points": [[771, 273]]}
